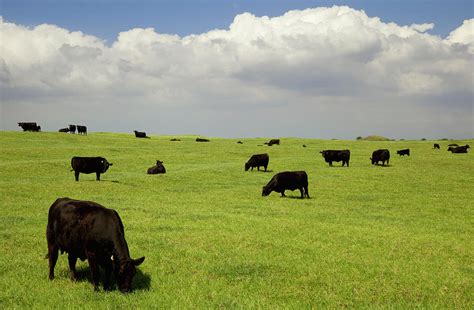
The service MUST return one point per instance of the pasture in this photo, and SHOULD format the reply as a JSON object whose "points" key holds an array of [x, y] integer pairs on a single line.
{"points": [[399, 236]]}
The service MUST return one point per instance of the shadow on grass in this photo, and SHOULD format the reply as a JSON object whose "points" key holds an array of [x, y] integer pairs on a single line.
{"points": [[140, 282]]}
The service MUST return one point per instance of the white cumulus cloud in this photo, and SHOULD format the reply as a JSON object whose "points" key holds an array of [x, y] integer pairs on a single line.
{"points": [[320, 72]]}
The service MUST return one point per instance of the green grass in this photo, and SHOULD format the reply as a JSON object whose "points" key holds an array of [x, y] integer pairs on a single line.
{"points": [[398, 236]]}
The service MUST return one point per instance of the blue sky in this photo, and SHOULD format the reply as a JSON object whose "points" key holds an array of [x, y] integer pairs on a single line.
{"points": [[327, 69], [105, 19]]}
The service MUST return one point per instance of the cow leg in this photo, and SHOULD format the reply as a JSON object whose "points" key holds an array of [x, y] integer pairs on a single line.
{"points": [[283, 194], [265, 168], [94, 269], [76, 174], [258, 168], [72, 266], [108, 273], [330, 163], [52, 258], [302, 192], [306, 191], [97, 176]]}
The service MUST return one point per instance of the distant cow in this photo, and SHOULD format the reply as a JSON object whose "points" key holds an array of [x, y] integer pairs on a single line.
{"points": [[404, 152], [436, 146], [158, 168], [258, 160], [304, 145], [380, 155], [72, 129], [287, 180], [89, 165], [337, 156], [139, 134], [240, 142], [273, 141], [64, 130], [175, 139], [202, 140], [82, 130], [87, 230], [29, 126], [459, 149]]}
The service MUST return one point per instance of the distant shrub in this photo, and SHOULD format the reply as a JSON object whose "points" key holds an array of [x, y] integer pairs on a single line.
{"points": [[423, 139], [359, 138], [444, 139], [402, 139], [375, 138]]}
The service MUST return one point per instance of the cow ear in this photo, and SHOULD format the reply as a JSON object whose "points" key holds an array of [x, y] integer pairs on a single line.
{"points": [[138, 261], [110, 164]]}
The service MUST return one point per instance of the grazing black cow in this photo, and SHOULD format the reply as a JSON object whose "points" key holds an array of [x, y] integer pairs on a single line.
{"points": [[81, 130], [29, 126], [337, 156], [287, 180], [158, 168], [380, 155], [240, 142], [72, 129], [64, 130], [436, 146], [257, 161], [87, 230], [175, 139], [459, 149], [202, 140], [272, 142], [404, 152], [89, 165], [140, 134], [304, 145]]}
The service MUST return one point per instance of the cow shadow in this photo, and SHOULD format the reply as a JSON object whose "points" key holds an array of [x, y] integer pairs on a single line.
{"points": [[295, 197], [384, 166], [140, 282]]}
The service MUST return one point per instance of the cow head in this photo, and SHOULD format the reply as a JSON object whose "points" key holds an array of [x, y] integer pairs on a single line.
{"points": [[247, 166], [373, 161], [105, 165], [159, 163], [323, 153], [266, 191], [126, 273]]}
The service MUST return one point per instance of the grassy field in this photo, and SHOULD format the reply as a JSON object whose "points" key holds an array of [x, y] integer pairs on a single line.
{"points": [[370, 236]]}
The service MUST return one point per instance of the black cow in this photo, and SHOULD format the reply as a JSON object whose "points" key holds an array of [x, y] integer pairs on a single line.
{"points": [[89, 165], [287, 180], [87, 230], [257, 161], [240, 142], [175, 139], [82, 130], [272, 142], [140, 134], [459, 149], [64, 130], [404, 152], [72, 129], [29, 126], [337, 156], [380, 155], [158, 168], [202, 140], [436, 146]]}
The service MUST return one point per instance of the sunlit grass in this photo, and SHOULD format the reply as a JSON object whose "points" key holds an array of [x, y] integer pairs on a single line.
{"points": [[370, 236]]}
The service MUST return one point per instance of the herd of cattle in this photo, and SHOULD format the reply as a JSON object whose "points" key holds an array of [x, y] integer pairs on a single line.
{"points": [[87, 230]]}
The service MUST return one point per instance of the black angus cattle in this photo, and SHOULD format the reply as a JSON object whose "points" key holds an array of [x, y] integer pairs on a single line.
{"points": [[72, 129], [459, 149], [337, 156], [287, 180], [304, 145], [29, 126], [139, 134], [272, 142], [81, 130], [202, 140], [258, 160], [436, 146], [64, 130], [380, 155], [240, 142], [158, 168], [89, 165], [87, 230], [175, 139], [404, 152]]}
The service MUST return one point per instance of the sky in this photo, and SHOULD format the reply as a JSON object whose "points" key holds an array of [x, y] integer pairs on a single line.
{"points": [[316, 69]]}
